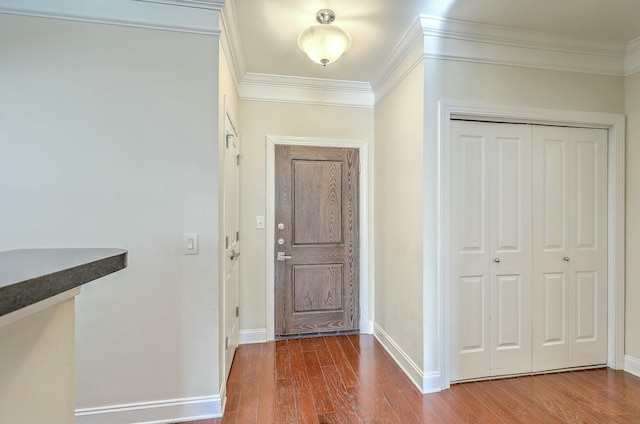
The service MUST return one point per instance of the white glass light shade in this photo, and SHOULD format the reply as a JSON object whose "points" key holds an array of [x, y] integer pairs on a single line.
{"points": [[325, 43]]}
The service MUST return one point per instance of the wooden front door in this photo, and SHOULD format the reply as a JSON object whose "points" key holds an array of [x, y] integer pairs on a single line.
{"points": [[316, 240]]}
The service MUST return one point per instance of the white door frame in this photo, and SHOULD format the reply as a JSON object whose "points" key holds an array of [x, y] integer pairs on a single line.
{"points": [[366, 284], [615, 123]]}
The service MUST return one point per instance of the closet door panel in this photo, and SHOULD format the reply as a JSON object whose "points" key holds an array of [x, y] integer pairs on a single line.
{"points": [[469, 250], [551, 236], [570, 246], [510, 219], [588, 258]]}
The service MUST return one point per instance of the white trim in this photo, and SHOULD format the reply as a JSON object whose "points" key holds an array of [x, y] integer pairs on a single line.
{"points": [[431, 382], [314, 91], [405, 56], [198, 4], [230, 42], [223, 396], [458, 40], [38, 306], [192, 16], [255, 335], [426, 383], [616, 210], [366, 283], [154, 412], [632, 365], [632, 61], [449, 39], [368, 329]]}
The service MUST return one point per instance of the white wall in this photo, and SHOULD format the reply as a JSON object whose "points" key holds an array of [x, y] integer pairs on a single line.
{"points": [[109, 138], [632, 339], [259, 119], [398, 232]]}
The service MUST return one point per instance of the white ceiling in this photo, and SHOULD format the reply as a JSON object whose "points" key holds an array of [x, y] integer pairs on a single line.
{"points": [[268, 29]]}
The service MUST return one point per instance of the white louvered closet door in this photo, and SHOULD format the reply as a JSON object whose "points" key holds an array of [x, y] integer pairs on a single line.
{"points": [[570, 247], [490, 252]]}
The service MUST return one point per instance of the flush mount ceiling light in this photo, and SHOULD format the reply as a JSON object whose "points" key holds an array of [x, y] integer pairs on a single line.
{"points": [[324, 43]]}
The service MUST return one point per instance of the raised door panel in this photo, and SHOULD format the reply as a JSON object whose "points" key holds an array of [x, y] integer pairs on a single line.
{"points": [[472, 329], [473, 197], [317, 288], [588, 256], [554, 286], [470, 250], [510, 218], [551, 236], [318, 202]]}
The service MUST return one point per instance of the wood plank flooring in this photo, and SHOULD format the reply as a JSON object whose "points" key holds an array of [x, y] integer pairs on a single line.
{"points": [[352, 379]]}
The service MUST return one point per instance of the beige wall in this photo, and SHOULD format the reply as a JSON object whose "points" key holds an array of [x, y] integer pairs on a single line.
{"points": [[257, 120], [109, 138], [632, 340], [37, 367], [398, 231]]}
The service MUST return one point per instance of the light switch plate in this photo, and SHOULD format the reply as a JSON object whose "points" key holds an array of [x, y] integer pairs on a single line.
{"points": [[190, 244], [260, 222]]}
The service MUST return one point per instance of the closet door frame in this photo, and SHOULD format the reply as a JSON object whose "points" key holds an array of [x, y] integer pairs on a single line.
{"points": [[615, 124]]}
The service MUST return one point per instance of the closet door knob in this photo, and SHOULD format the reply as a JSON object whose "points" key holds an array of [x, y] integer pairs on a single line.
{"points": [[566, 259], [497, 260]]}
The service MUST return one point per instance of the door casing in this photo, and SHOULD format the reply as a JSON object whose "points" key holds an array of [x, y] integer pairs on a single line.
{"points": [[615, 123], [366, 287]]}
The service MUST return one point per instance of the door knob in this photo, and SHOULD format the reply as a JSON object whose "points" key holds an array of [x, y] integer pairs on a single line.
{"points": [[566, 259], [281, 256], [497, 260]]}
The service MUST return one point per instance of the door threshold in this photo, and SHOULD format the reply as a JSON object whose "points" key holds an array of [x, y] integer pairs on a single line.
{"points": [[531, 374], [318, 334]]}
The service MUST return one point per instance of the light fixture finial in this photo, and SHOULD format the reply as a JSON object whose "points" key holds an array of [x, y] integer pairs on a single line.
{"points": [[325, 16]]}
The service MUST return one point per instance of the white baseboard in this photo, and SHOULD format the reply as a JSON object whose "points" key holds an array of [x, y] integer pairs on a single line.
{"points": [[368, 328], [632, 365], [255, 335], [157, 412], [426, 383], [431, 382]]}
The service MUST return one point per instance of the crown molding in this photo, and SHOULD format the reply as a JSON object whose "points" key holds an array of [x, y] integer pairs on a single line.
{"points": [[288, 89], [406, 55], [230, 41], [198, 4], [192, 16], [449, 39], [466, 41], [632, 61]]}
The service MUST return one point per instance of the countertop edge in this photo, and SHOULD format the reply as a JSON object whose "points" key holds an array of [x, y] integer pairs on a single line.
{"points": [[33, 290]]}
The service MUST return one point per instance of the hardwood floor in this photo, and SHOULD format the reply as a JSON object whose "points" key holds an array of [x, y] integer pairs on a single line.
{"points": [[351, 379]]}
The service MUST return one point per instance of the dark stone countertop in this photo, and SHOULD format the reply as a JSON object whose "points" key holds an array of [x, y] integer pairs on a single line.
{"points": [[28, 276]]}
